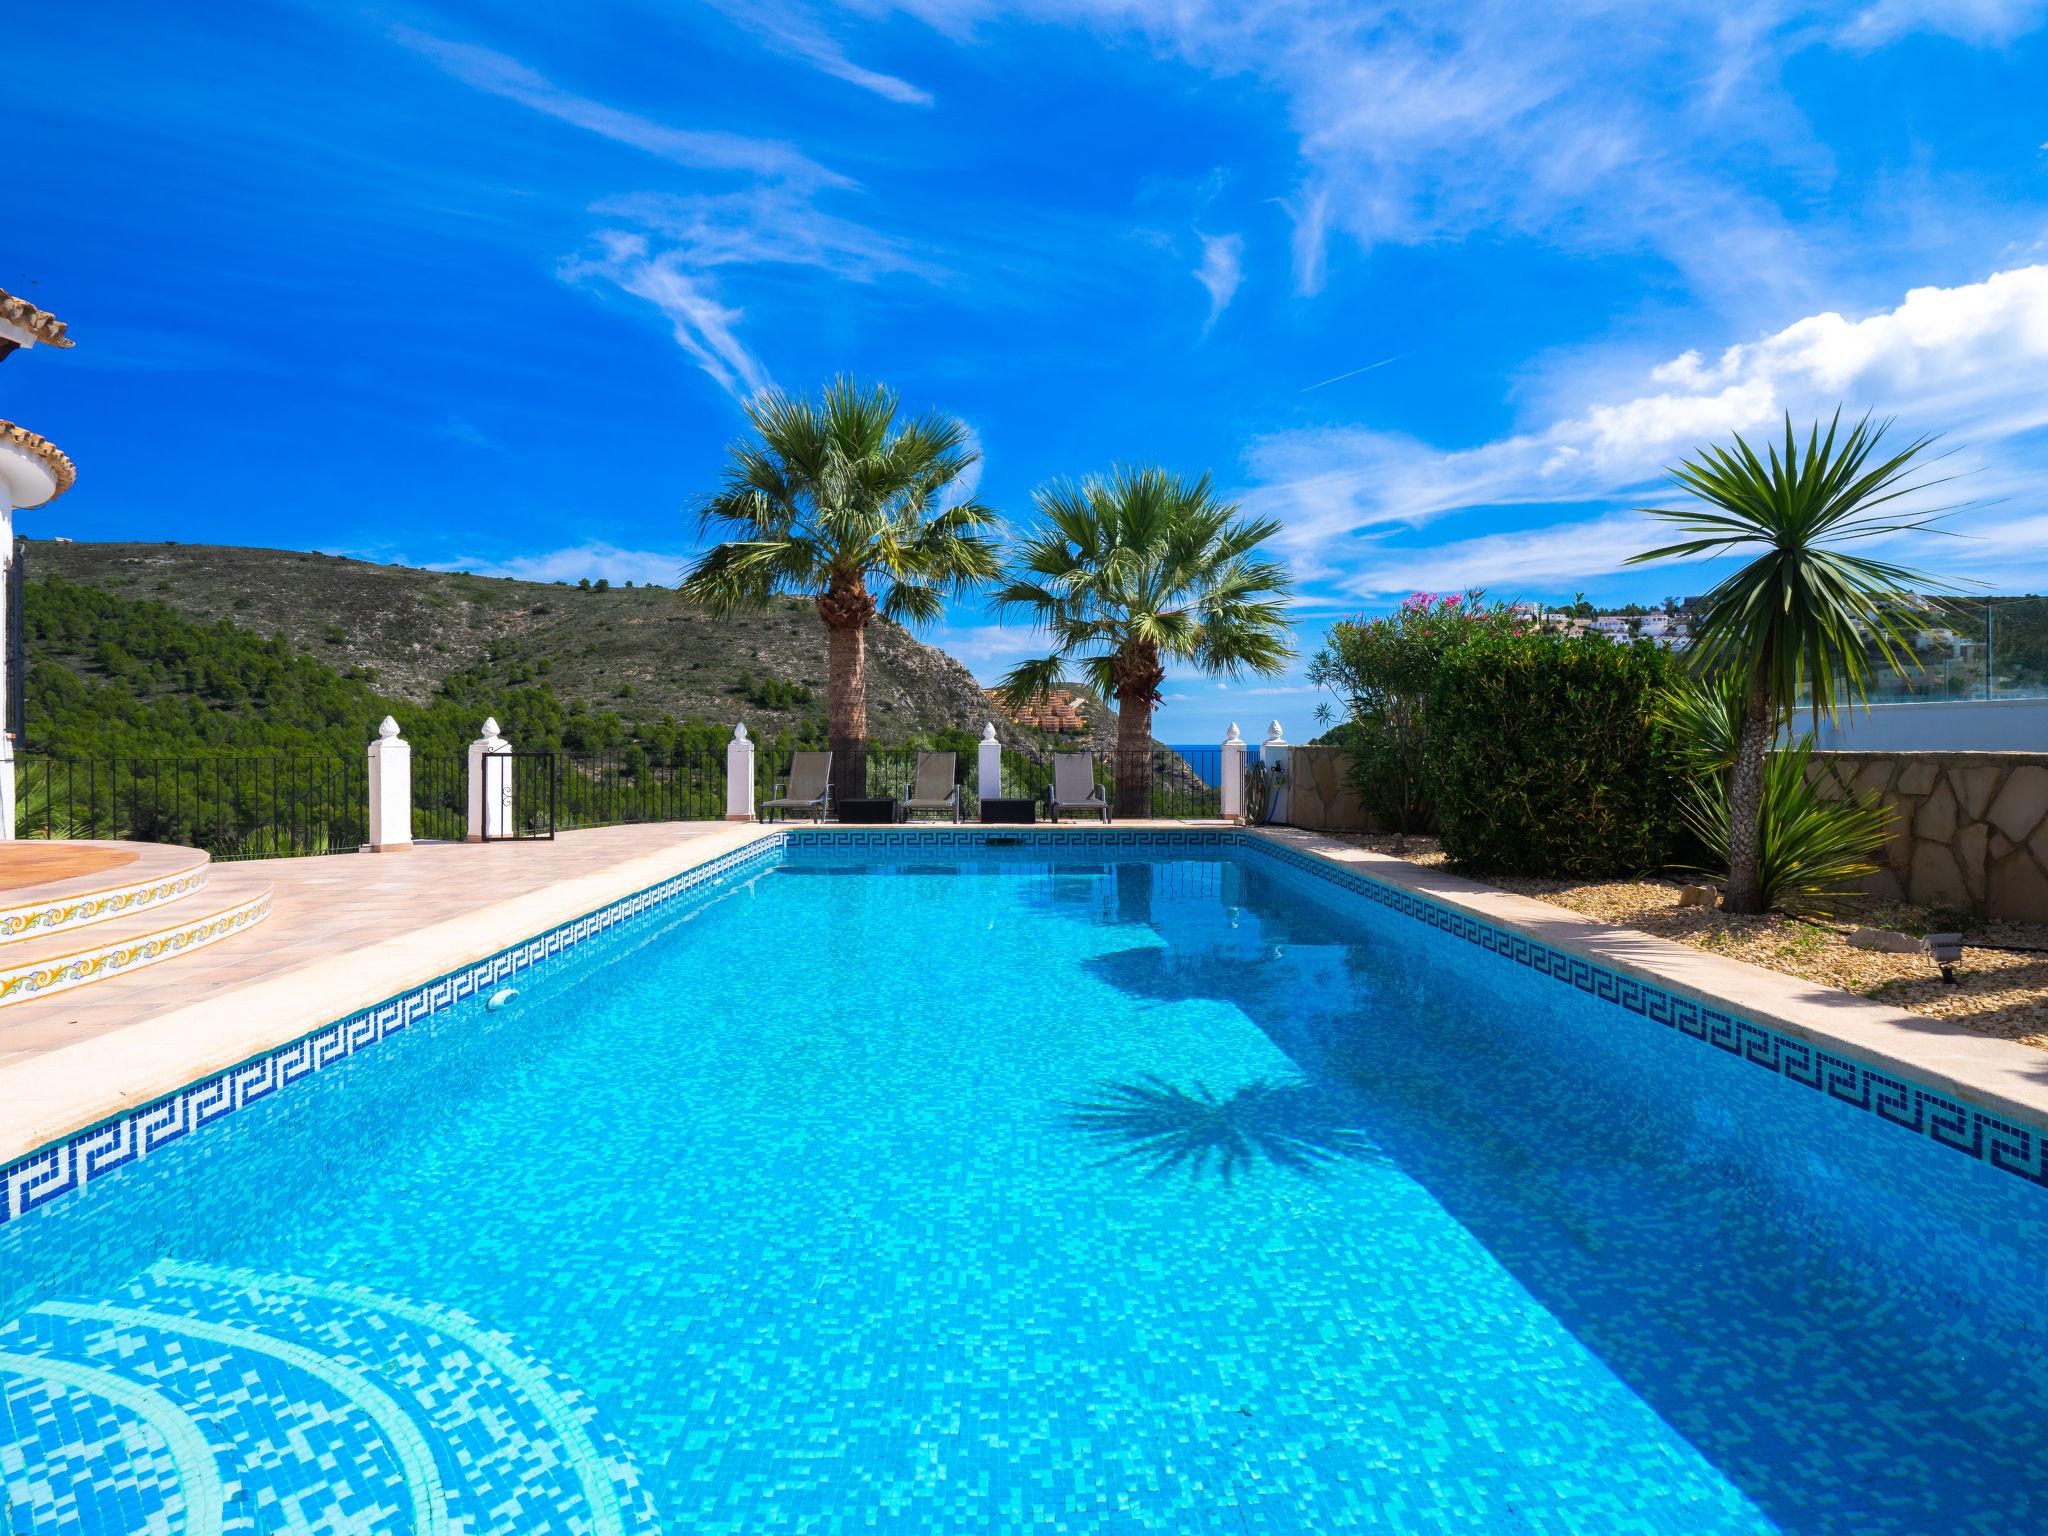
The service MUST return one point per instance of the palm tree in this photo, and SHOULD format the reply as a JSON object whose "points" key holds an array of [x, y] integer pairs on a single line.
{"points": [[1132, 572], [837, 501], [1804, 611]]}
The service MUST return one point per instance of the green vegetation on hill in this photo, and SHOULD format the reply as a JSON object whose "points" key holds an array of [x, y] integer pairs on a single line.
{"points": [[640, 653], [118, 676]]}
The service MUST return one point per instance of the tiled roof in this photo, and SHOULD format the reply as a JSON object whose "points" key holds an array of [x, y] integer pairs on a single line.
{"points": [[59, 461], [39, 323]]}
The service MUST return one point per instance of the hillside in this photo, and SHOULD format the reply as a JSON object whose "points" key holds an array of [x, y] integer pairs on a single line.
{"points": [[640, 653]]}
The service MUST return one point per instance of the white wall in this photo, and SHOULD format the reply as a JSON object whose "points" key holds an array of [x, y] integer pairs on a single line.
{"points": [[1953, 725]]}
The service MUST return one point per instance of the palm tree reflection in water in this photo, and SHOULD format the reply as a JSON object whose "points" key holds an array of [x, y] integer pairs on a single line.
{"points": [[1291, 1125]]}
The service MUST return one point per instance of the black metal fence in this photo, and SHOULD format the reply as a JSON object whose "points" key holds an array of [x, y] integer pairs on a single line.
{"points": [[440, 796], [609, 789], [233, 807], [269, 807], [1186, 783]]}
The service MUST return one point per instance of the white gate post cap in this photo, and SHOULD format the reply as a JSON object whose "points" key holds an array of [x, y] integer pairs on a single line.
{"points": [[388, 729], [1230, 736]]}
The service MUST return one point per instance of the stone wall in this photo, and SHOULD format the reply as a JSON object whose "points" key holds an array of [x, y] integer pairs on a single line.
{"points": [[1972, 829], [1319, 794]]}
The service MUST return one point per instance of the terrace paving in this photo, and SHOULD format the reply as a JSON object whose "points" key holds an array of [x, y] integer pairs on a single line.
{"points": [[349, 931]]}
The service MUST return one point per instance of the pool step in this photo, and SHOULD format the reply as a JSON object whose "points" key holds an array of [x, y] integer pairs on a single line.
{"points": [[204, 1398], [41, 897], [225, 903]]}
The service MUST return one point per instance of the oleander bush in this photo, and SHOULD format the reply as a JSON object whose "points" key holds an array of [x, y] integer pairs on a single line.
{"points": [[1385, 670], [1550, 756]]}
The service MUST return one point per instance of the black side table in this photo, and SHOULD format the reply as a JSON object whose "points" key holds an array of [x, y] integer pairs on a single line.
{"points": [[1010, 812], [872, 813]]}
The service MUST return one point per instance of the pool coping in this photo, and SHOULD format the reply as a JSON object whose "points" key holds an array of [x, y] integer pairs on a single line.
{"points": [[72, 1115]]}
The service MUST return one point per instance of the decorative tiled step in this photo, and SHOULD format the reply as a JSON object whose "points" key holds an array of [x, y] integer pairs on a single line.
{"points": [[219, 1400], [39, 895], [231, 900]]}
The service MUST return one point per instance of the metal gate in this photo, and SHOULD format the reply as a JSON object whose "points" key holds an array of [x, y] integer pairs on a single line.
{"points": [[524, 785]]}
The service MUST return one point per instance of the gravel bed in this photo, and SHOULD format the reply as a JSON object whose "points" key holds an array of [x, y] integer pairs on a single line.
{"points": [[2001, 991]]}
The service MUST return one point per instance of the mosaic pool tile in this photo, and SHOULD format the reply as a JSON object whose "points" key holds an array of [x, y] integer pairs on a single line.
{"points": [[1133, 1190]]}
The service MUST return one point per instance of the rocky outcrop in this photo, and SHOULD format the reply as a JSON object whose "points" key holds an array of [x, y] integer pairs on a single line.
{"points": [[1971, 828]]}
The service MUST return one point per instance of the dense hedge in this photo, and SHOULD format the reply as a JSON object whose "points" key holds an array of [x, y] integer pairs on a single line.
{"points": [[1547, 758]]}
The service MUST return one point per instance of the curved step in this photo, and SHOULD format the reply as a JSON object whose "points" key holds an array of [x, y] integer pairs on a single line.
{"points": [[39, 897], [231, 901], [224, 1400]]}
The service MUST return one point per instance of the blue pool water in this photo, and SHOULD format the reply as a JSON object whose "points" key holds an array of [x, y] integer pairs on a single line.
{"points": [[1126, 1192]]}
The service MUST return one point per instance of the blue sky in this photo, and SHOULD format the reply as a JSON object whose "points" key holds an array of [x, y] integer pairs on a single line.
{"points": [[1441, 288]]}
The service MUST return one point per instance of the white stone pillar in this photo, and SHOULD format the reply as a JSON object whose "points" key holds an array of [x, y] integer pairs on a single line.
{"points": [[489, 816], [739, 776], [390, 790], [1275, 753], [1232, 774], [6, 786], [988, 768]]}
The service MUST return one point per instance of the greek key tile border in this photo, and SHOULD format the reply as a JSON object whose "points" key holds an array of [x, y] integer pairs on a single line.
{"points": [[84, 1156], [76, 1160], [1974, 1132]]}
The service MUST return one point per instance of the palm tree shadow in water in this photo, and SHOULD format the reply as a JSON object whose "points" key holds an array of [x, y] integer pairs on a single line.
{"points": [[1296, 1126]]}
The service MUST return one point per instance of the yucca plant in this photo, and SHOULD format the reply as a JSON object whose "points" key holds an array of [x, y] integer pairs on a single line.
{"points": [[839, 502], [1813, 847], [1805, 613], [1704, 717]]}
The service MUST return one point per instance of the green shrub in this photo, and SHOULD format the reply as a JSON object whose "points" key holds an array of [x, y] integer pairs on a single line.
{"points": [[1385, 671], [1548, 756]]}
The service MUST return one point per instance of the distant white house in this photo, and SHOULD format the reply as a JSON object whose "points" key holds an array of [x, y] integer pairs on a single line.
{"points": [[1614, 626], [1529, 611], [1654, 626]]}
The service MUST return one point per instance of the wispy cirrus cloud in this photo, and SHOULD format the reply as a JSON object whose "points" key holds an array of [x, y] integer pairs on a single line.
{"points": [[799, 32], [677, 245], [1221, 271], [499, 74], [1969, 361], [1668, 131], [1974, 21], [767, 225], [703, 326]]}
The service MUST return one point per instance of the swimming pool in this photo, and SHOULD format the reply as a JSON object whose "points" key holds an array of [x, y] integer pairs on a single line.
{"points": [[917, 1185]]}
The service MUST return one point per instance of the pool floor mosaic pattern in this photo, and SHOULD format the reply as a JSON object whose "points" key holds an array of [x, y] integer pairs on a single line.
{"points": [[1103, 1194]]}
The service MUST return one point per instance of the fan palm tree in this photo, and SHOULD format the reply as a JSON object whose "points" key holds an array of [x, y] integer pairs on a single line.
{"points": [[837, 501], [1805, 611], [1129, 573]]}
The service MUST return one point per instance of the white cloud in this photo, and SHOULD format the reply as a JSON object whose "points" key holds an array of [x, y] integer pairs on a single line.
{"points": [[702, 326], [1526, 562], [798, 31], [1969, 361], [1974, 21], [643, 567], [1222, 269], [500, 75], [772, 224], [1662, 128]]}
